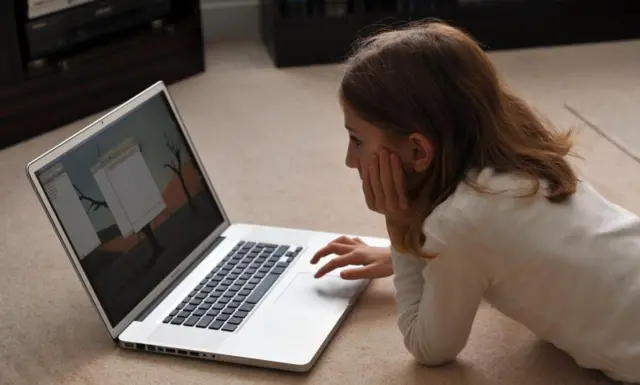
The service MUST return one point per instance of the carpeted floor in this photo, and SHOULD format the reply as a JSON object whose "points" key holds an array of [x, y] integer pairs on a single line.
{"points": [[274, 145]]}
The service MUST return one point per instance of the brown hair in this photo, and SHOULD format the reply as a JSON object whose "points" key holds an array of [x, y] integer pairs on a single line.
{"points": [[434, 79]]}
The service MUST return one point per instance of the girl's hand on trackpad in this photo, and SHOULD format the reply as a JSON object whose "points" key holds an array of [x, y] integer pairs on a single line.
{"points": [[372, 262]]}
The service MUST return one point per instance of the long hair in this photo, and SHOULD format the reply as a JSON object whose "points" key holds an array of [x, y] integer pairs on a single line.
{"points": [[435, 79]]}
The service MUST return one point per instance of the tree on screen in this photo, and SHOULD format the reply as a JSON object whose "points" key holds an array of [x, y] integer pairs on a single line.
{"points": [[175, 147]]}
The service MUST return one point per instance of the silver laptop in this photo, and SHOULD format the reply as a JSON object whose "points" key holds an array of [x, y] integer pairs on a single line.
{"points": [[164, 266]]}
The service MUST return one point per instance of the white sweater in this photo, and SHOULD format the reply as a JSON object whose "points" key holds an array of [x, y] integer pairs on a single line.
{"points": [[570, 272]]}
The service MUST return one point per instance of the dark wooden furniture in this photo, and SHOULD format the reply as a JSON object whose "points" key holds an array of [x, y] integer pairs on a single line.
{"points": [[36, 99], [298, 38]]}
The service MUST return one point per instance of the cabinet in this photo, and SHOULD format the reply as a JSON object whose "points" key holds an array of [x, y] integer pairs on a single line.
{"points": [[36, 97]]}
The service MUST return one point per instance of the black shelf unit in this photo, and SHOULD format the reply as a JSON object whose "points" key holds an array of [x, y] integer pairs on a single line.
{"points": [[71, 85], [306, 36]]}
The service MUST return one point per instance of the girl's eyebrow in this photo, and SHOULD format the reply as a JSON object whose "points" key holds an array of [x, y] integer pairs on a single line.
{"points": [[350, 128]]}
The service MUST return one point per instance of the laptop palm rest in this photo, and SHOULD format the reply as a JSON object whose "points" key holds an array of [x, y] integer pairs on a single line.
{"points": [[329, 291]]}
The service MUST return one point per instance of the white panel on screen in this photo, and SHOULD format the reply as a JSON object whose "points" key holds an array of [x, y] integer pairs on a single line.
{"points": [[130, 190], [72, 215]]}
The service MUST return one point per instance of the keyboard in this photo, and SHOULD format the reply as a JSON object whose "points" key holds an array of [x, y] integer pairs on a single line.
{"points": [[228, 294]]}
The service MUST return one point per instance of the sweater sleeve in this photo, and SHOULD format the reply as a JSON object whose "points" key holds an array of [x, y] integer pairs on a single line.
{"points": [[437, 302]]}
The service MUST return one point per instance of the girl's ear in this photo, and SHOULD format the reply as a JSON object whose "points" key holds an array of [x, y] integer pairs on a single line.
{"points": [[421, 151]]}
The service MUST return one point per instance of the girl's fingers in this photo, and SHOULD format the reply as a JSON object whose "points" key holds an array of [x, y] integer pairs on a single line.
{"points": [[399, 182], [372, 271], [367, 189], [346, 240], [352, 258], [331, 248], [387, 182], [376, 185]]}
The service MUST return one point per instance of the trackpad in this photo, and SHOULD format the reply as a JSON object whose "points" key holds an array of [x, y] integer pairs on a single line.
{"points": [[305, 292]]}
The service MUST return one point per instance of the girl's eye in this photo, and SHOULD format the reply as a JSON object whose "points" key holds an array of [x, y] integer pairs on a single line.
{"points": [[355, 140]]}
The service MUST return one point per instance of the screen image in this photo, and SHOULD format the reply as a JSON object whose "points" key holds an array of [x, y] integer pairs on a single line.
{"points": [[133, 204]]}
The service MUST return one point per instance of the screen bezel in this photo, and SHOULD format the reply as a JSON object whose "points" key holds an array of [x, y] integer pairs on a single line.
{"points": [[95, 128]]}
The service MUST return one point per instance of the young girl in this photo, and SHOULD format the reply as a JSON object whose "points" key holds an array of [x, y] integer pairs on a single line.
{"points": [[480, 203]]}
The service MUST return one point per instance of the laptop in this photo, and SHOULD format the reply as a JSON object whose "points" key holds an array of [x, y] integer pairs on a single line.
{"points": [[164, 266]]}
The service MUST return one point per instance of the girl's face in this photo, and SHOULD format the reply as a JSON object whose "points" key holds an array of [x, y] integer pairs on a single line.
{"points": [[365, 139]]}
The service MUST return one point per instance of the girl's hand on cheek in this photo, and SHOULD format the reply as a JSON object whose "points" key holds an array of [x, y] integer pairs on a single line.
{"points": [[384, 186]]}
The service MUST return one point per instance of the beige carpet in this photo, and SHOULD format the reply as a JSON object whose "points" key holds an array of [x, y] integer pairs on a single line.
{"points": [[273, 143], [615, 115]]}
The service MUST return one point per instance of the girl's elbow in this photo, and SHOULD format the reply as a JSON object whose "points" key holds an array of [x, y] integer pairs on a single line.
{"points": [[428, 355]]}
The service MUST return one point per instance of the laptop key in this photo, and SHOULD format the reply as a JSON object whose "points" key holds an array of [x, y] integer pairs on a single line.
{"points": [[241, 314], [177, 321], [227, 311], [216, 325], [189, 308], [204, 322], [229, 328], [222, 317], [262, 289], [277, 270], [167, 320], [184, 314], [235, 321], [191, 321], [198, 312], [234, 304], [281, 250], [174, 312]]}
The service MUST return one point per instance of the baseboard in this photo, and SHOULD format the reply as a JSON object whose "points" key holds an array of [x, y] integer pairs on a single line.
{"points": [[230, 20]]}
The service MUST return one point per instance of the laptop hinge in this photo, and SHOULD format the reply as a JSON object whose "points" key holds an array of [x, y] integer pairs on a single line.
{"points": [[145, 313]]}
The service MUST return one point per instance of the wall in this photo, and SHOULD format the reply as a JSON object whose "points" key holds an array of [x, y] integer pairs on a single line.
{"points": [[230, 20]]}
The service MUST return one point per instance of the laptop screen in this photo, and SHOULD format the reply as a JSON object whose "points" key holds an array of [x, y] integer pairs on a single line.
{"points": [[133, 203]]}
